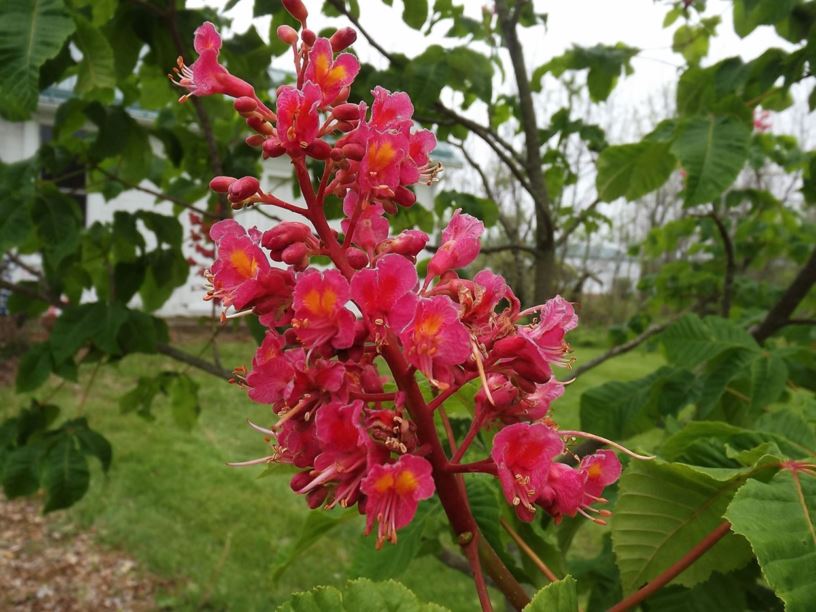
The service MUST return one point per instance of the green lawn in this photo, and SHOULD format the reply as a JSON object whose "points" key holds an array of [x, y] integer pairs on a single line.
{"points": [[213, 531]]}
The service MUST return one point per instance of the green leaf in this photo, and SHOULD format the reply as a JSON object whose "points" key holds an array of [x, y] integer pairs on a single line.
{"points": [[620, 410], [558, 596], [750, 14], [168, 230], [392, 560], [65, 474], [633, 170], [712, 150], [91, 442], [183, 392], [482, 208], [663, 510], [779, 520], [96, 70], [415, 13], [318, 523], [691, 340], [16, 197], [96, 322], [31, 32], [35, 367], [361, 595], [20, 472], [769, 375]]}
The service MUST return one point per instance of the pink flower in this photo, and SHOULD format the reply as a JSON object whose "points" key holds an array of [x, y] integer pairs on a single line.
{"points": [[320, 316], [206, 76], [557, 318], [330, 74], [380, 166], [391, 111], [298, 121], [432, 336], [420, 145], [460, 244], [376, 291], [601, 469], [393, 493], [563, 492], [408, 243], [370, 227], [523, 455]]}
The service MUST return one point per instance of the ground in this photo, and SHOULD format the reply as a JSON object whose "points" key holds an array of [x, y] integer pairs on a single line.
{"points": [[194, 533]]}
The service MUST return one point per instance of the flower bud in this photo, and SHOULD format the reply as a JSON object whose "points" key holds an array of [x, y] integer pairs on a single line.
{"points": [[287, 34], [389, 206], [346, 126], [319, 149], [283, 235], [296, 255], [243, 188], [408, 243], [256, 140], [273, 148], [342, 96], [354, 150], [220, 184], [357, 259], [342, 39], [404, 196], [259, 125], [296, 9], [308, 37], [346, 112], [245, 105], [336, 154]]}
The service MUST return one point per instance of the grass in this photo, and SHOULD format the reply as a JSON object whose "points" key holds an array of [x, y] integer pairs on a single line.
{"points": [[215, 532]]}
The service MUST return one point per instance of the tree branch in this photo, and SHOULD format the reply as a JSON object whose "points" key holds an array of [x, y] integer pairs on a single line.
{"points": [[673, 571], [340, 5], [433, 248], [625, 347], [192, 360], [730, 264], [780, 314], [576, 222]]}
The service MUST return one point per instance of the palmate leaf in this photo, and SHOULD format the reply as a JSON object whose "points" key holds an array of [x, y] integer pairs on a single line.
{"points": [[778, 518], [692, 340], [633, 170], [558, 596], [31, 32], [663, 510], [359, 595], [712, 150]]}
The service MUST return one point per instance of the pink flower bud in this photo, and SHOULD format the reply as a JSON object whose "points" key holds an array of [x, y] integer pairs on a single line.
{"points": [[296, 9], [296, 255], [354, 151], [287, 34], [346, 126], [273, 148], [319, 149], [260, 126], [243, 188], [308, 37], [282, 236], [346, 112], [220, 184], [356, 258], [342, 96], [408, 243], [245, 105], [342, 38], [256, 140], [404, 196], [336, 154]]}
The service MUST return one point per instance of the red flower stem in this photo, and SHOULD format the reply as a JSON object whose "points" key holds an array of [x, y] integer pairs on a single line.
{"points": [[324, 181], [472, 553], [268, 198], [355, 217], [375, 397], [485, 466], [674, 570], [452, 496], [448, 429], [440, 399], [475, 426], [542, 567]]}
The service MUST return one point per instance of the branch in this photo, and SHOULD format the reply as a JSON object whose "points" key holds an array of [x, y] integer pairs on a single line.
{"points": [[675, 570], [780, 314], [542, 567], [159, 194], [340, 5], [34, 294], [192, 360], [576, 222], [625, 347], [433, 248], [730, 264]]}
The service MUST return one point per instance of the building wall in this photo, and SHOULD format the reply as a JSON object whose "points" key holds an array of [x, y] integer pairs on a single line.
{"points": [[21, 140]]}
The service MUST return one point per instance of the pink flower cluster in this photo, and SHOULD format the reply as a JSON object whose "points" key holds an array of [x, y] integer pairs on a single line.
{"points": [[351, 429]]}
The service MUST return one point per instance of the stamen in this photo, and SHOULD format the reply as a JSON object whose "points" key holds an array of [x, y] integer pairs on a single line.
{"points": [[623, 449], [260, 429], [477, 355], [258, 461]]}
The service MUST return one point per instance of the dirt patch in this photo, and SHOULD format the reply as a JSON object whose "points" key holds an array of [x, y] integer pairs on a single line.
{"points": [[46, 564]]}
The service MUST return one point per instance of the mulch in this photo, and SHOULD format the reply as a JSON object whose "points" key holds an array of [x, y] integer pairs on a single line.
{"points": [[46, 563]]}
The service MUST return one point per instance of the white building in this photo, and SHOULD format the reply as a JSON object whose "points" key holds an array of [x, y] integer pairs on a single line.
{"points": [[21, 140]]}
